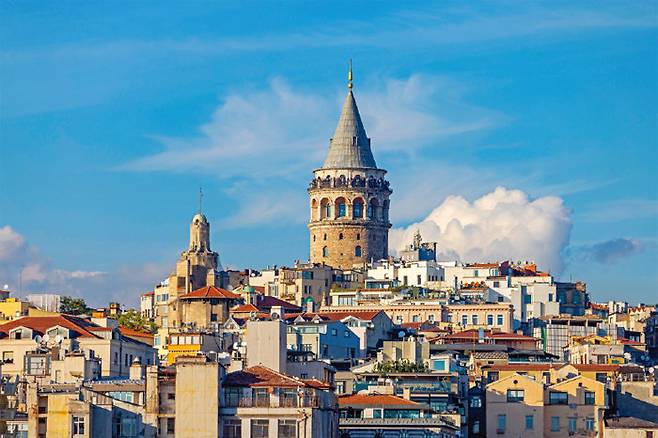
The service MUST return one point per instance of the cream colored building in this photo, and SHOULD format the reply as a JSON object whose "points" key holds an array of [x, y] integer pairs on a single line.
{"points": [[489, 316]]}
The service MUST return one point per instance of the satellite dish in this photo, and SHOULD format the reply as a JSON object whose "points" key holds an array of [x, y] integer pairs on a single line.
{"points": [[651, 370], [37, 339], [46, 337], [401, 334], [59, 339], [275, 316]]}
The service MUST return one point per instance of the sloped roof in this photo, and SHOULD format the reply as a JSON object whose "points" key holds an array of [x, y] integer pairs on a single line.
{"points": [[365, 315], [269, 301], [629, 423], [376, 400], [40, 324], [244, 308], [262, 376], [135, 333], [350, 145], [210, 292], [474, 334]]}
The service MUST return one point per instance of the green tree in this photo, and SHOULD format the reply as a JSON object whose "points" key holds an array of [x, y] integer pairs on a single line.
{"points": [[132, 319], [73, 306]]}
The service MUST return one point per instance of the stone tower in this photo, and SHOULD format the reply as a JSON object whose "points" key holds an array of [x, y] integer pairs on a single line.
{"points": [[349, 197]]}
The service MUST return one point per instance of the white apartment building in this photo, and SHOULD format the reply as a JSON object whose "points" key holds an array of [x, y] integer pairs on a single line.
{"points": [[414, 273], [457, 274], [529, 301]]}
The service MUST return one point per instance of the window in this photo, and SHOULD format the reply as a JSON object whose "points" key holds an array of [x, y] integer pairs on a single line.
{"points": [[288, 397], [529, 422], [259, 428], [325, 252], [499, 319], [493, 376], [340, 387], [589, 424], [550, 297], [515, 395], [325, 237], [419, 280], [601, 377], [415, 318], [501, 423], [376, 413], [357, 251], [476, 401], [474, 319], [232, 428], [527, 299], [171, 396], [37, 365], [334, 332], [357, 210], [171, 425], [489, 320], [287, 429], [573, 425], [358, 236], [8, 356], [558, 398], [439, 365], [476, 427], [405, 280], [342, 212], [78, 425], [496, 284], [464, 320], [340, 236], [555, 424], [589, 398]]}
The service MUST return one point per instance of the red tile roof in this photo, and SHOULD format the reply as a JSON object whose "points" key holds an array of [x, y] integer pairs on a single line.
{"points": [[411, 325], [262, 376], [596, 367], [524, 367], [40, 324], [244, 308], [488, 334], [625, 341], [210, 292], [136, 333], [270, 301], [375, 400], [365, 315]]}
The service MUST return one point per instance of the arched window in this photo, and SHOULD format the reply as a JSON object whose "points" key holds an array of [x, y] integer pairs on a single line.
{"points": [[357, 208], [325, 208], [325, 236], [314, 238], [340, 236], [357, 251], [341, 207], [325, 252], [314, 210]]}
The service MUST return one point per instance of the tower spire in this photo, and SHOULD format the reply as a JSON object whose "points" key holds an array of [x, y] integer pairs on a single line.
{"points": [[349, 76], [200, 199]]}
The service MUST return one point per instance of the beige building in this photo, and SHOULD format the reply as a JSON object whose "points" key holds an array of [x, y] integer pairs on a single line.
{"points": [[67, 334], [519, 405], [349, 198], [489, 316], [401, 312]]}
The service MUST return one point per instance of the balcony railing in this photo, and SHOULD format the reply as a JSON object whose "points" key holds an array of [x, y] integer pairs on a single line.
{"points": [[271, 402]]}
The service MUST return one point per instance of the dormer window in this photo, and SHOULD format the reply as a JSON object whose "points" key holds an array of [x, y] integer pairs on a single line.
{"points": [[20, 333], [53, 332]]}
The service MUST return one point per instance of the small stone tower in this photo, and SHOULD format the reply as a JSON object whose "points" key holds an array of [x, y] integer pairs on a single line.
{"points": [[349, 197]]}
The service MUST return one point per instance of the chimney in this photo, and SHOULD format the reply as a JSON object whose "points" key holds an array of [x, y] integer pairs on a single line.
{"points": [[136, 371], [309, 306]]}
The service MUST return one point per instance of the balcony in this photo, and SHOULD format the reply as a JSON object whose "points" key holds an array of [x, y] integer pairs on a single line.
{"points": [[272, 402]]}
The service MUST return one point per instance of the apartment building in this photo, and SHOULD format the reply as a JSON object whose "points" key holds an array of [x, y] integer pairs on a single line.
{"points": [[498, 316], [519, 405]]}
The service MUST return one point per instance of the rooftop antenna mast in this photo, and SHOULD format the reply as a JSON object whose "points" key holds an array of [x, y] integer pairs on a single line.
{"points": [[200, 199]]}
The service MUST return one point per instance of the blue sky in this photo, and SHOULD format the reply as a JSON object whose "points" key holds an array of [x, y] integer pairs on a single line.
{"points": [[112, 114]]}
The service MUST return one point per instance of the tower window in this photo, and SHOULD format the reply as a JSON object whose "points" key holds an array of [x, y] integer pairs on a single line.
{"points": [[325, 252], [341, 207], [358, 236], [314, 238], [357, 209], [340, 236], [357, 251], [325, 236]]}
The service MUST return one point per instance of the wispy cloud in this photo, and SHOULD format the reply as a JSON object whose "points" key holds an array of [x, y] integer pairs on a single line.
{"points": [[25, 269], [609, 251], [620, 210]]}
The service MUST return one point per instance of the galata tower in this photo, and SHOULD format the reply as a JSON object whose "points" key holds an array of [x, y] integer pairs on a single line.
{"points": [[349, 197]]}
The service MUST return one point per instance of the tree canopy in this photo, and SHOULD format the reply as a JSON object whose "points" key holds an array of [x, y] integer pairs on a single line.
{"points": [[132, 319], [73, 306]]}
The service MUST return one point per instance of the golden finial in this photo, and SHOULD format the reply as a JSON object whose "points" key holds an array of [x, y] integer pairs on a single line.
{"points": [[349, 77]]}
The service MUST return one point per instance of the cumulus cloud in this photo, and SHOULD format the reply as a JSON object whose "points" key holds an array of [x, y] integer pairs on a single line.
{"points": [[610, 251], [26, 270], [503, 224]]}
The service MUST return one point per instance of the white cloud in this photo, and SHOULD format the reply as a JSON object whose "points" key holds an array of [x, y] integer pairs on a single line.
{"points": [[503, 224], [26, 270]]}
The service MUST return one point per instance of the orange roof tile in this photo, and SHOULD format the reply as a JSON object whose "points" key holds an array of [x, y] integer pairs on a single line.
{"points": [[210, 292], [244, 308], [524, 367], [596, 367], [366, 315], [130, 332], [41, 324], [262, 376]]}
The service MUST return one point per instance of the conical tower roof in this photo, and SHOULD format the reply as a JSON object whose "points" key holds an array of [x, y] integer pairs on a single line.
{"points": [[350, 146]]}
